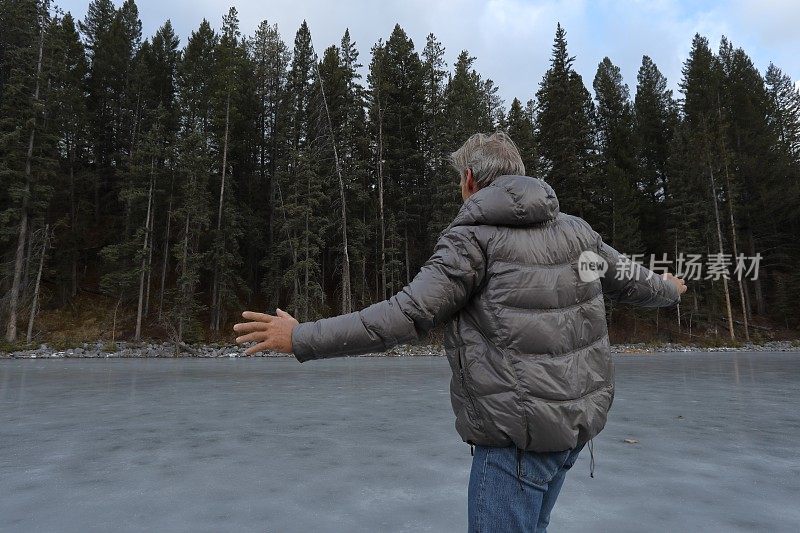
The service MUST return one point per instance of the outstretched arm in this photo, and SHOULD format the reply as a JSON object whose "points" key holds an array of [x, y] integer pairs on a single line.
{"points": [[628, 282], [444, 284]]}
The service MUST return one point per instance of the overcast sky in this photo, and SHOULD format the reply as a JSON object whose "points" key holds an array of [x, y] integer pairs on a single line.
{"points": [[512, 39]]}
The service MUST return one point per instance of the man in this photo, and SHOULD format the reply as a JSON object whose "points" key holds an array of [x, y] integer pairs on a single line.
{"points": [[519, 286]]}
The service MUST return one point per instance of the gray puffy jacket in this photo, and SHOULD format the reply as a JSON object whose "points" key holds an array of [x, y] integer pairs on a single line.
{"points": [[525, 335]]}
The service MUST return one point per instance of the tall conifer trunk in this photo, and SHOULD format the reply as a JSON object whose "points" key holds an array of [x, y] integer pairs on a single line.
{"points": [[13, 301], [165, 260], [346, 292], [35, 302], [144, 263], [380, 201], [185, 287], [215, 294], [725, 289]]}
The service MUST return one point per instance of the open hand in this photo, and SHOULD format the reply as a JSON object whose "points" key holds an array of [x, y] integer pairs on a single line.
{"points": [[270, 332]]}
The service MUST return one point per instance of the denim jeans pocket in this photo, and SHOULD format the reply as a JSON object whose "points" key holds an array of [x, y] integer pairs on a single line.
{"points": [[541, 468]]}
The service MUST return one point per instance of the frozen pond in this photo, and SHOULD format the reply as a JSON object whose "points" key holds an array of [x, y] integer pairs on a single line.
{"points": [[368, 444]]}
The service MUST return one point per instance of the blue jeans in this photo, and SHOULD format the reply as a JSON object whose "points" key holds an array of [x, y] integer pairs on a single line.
{"points": [[514, 491]]}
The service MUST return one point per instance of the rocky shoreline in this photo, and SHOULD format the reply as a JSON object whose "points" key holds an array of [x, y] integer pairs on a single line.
{"points": [[124, 350]]}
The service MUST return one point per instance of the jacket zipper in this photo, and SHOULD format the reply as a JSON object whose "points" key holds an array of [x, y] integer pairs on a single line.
{"points": [[467, 393], [476, 418]]}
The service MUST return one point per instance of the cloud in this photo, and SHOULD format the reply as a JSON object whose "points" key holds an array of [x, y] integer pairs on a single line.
{"points": [[773, 22]]}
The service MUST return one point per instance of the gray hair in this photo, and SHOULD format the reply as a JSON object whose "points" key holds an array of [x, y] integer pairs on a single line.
{"points": [[489, 156]]}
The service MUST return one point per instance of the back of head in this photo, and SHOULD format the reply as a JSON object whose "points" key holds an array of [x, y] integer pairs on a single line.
{"points": [[488, 156]]}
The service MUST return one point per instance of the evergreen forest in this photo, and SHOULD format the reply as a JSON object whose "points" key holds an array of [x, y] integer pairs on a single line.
{"points": [[154, 186]]}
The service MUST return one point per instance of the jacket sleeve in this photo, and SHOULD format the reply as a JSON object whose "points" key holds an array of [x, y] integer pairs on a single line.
{"points": [[444, 284], [628, 282]]}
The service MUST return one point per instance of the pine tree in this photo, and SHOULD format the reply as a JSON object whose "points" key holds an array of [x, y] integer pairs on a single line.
{"points": [[271, 59], [703, 125], [343, 159], [300, 193], [396, 120], [96, 28], [565, 135], [145, 179], [355, 165], [744, 149], [378, 104], [656, 119], [520, 126], [470, 106], [69, 119], [784, 110], [616, 166], [162, 64], [494, 104], [159, 113], [403, 167], [435, 142], [112, 39], [193, 208], [225, 260], [193, 219], [128, 101], [687, 197], [26, 141]]}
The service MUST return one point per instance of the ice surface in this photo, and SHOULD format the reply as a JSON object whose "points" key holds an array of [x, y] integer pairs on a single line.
{"points": [[368, 444]]}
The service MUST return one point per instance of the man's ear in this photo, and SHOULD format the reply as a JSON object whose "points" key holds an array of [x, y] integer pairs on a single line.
{"points": [[470, 179]]}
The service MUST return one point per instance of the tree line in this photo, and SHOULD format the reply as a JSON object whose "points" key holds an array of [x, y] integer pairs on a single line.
{"points": [[187, 183]]}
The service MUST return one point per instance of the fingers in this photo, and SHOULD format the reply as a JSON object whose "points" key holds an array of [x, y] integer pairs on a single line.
{"points": [[270, 332], [255, 331], [257, 336], [260, 347], [249, 327], [258, 317]]}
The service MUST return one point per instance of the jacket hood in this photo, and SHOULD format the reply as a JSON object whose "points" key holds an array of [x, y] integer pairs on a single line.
{"points": [[509, 201]]}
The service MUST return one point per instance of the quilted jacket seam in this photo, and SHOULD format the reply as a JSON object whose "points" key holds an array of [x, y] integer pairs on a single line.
{"points": [[544, 310], [573, 400], [590, 344]]}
